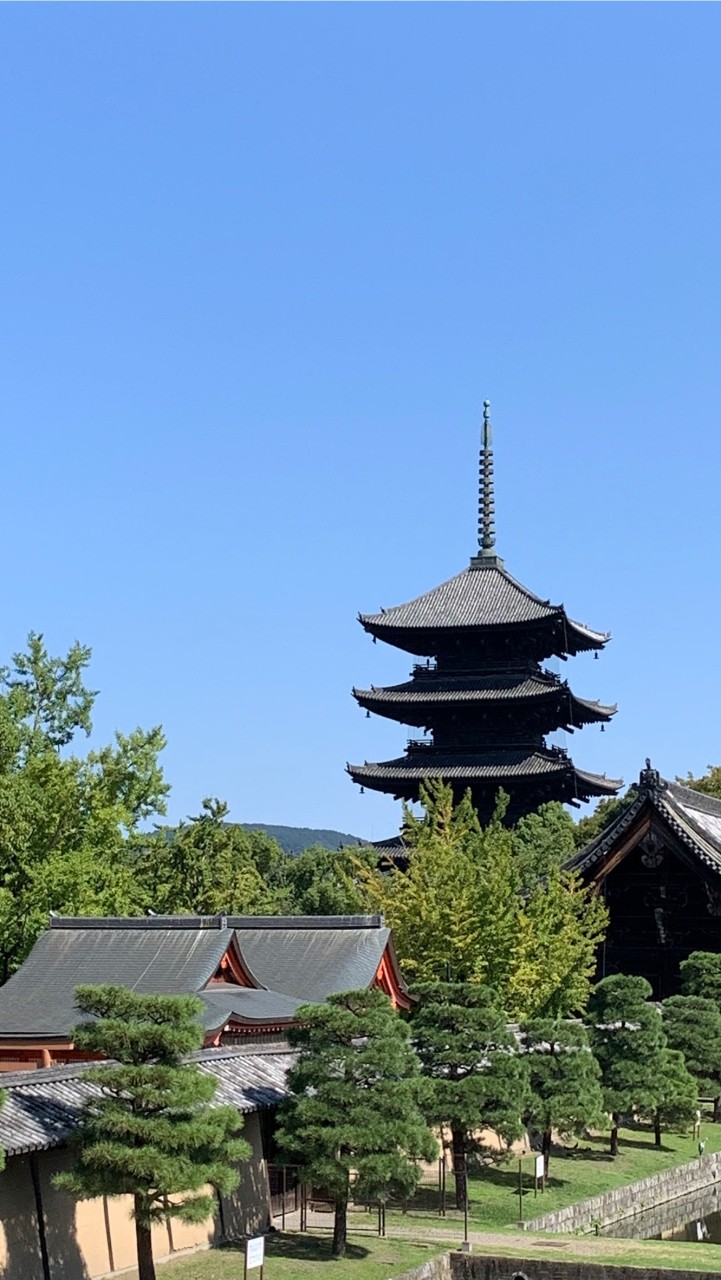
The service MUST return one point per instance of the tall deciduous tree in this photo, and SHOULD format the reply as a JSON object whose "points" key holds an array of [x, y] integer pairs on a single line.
{"points": [[151, 1131], [477, 1079], [66, 820], [564, 1080], [693, 1026], [352, 1119], [204, 867], [627, 1038], [459, 912]]}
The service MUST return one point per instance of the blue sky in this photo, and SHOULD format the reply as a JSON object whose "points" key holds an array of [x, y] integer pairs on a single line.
{"points": [[260, 266]]}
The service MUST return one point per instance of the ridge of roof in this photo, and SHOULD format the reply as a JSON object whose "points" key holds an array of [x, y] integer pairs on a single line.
{"points": [[219, 922]]}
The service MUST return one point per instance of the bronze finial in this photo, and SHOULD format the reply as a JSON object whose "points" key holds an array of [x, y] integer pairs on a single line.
{"points": [[486, 506]]}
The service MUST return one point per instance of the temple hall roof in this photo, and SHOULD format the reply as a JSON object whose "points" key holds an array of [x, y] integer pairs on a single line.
{"points": [[285, 961], [43, 1107], [694, 818]]}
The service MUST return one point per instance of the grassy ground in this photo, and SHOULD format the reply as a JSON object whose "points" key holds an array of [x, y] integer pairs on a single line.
{"points": [[303, 1257], [574, 1175]]}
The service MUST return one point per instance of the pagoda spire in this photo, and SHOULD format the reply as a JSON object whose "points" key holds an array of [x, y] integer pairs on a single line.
{"points": [[486, 499]]}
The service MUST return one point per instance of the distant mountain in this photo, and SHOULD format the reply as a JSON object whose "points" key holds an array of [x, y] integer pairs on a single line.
{"points": [[296, 839]]}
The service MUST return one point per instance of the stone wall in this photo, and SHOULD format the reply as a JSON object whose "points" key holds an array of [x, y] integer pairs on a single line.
{"points": [[623, 1202], [433, 1269], [473, 1267]]}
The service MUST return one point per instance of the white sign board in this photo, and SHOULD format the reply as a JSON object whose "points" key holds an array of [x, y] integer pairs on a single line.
{"points": [[254, 1252], [540, 1170]]}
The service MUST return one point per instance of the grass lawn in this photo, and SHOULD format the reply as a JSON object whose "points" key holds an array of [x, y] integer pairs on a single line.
{"points": [[574, 1175], [302, 1257], [682, 1256]]}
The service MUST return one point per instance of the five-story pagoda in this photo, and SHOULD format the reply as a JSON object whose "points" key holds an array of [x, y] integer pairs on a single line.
{"points": [[482, 693]]}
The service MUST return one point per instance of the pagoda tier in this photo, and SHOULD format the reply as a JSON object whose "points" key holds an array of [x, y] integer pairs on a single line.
{"points": [[529, 778], [482, 613], [483, 694], [496, 700]]}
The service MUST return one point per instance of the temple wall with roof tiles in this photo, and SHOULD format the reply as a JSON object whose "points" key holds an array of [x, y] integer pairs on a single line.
{"points": [[93, 1238]]}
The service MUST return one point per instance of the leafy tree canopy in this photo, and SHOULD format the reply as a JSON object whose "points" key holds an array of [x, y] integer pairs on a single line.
{"points": [[701, 975], [152, 1132], [459, 912], [352, 1119], [709, 783], [66, 819]]}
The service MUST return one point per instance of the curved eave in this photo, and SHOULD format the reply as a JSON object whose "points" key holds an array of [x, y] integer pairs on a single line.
{"points": [[394, 701], [564, 636], [410, 772]]}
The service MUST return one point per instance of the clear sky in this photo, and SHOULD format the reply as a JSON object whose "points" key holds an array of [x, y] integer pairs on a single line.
{"points": [[261, 263]]}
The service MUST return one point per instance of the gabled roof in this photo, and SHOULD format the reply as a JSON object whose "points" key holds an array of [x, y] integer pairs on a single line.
{"points": [[285, 961], [42, 1107], [481, 597], [694, 818]]}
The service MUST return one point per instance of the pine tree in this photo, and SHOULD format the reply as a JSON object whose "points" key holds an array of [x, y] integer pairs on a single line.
{"points": [[676, 1094], [564, 1080], [701, 975], [693, 1025], [151, 1131], [627, 1037], [476, 1077], [352, 1120]]}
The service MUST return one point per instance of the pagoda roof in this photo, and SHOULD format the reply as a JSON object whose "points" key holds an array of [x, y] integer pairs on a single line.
{"points": [[694, 819], [440, 689], [484, 596], [482, 767]]}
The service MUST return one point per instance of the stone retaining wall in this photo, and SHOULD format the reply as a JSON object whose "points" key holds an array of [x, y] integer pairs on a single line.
{"points": [[623, 1202], [473, 1267], [433, 1269]]}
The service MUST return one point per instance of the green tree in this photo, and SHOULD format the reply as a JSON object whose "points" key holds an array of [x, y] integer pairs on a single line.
{"points": [[324, 882], [627, 1038], [709, 783], [542, 842], [459, 913], [558, 933], [203, 867], [68, 821], [151, 1130], [701, 975], [476, 1078], [676, 1094], [352, 1119], [692, 1024], [564, 1080]]}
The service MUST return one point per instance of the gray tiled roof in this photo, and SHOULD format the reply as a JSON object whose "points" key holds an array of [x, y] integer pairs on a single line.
{"points": [[484, 766], [43, 1107], [39, 998], [292, 959], [479, 597], [441, 689], [694, 818], [310, 963]]}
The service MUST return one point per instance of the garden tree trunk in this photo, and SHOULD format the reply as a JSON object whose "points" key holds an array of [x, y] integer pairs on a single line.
{"points": [[614, 1133], [717, 1109], [144, 1242], [657, 1128], [340, 1229], [546, 1149], [458, 1147]]}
